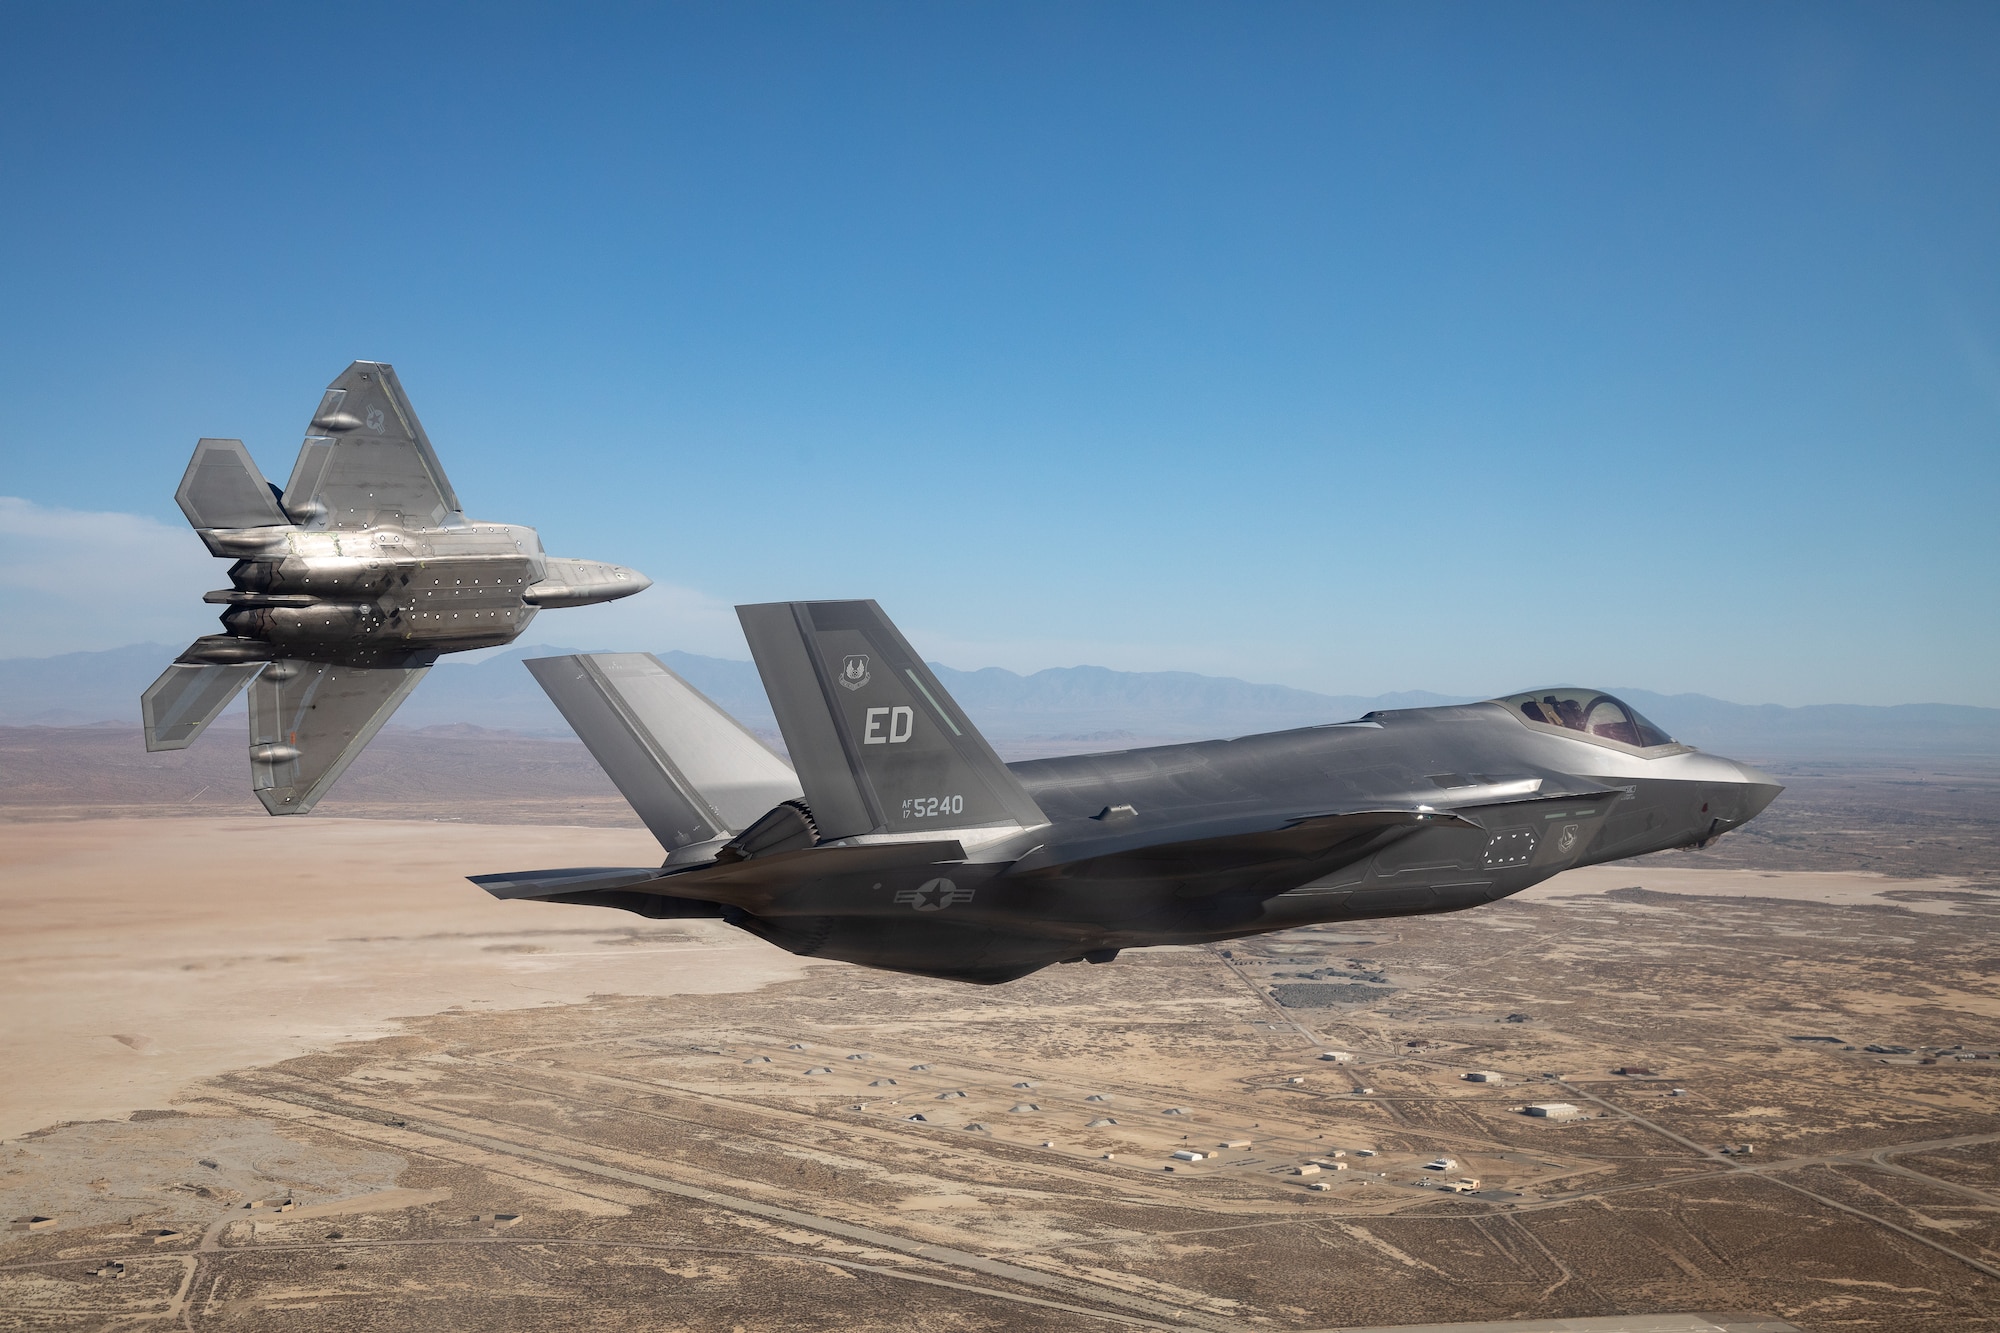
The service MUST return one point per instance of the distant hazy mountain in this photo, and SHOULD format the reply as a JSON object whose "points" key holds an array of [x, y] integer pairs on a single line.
{"points": [[1060, 704], [79, 688], [1821, 731]]}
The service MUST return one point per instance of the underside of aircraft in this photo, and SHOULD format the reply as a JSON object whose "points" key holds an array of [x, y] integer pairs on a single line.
{"points": [[346, 586]]}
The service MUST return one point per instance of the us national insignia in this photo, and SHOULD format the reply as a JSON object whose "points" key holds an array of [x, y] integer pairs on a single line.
{"points": [[935, 895], [854, 671]]}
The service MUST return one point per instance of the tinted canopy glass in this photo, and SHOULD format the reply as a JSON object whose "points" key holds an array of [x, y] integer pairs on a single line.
{"points": [[1590, 711]]}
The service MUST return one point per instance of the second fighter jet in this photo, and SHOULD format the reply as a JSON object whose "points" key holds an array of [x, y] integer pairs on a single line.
{"points": [[345, 587]]}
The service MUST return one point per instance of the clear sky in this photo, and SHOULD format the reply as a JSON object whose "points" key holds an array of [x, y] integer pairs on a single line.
{"points": [[1353, 347]]}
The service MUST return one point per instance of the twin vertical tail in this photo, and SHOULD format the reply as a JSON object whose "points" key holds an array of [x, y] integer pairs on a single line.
{"points": [[692, 772], [878, 747], [689, 770], [878, 744]]}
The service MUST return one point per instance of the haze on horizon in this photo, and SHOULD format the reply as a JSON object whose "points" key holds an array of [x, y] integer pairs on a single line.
{"points": [[1354, 349]]}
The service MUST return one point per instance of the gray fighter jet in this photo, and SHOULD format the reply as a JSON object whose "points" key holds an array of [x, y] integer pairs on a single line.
{"points": [[346, 586], [901, 841]]}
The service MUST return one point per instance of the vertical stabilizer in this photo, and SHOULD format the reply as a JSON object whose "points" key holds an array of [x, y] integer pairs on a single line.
{"points": [[689, 769], [878, 744]]}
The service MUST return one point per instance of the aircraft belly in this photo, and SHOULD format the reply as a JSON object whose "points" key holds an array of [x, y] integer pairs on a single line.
{"points": [[959, 920], [460, 600], [936, 949]]}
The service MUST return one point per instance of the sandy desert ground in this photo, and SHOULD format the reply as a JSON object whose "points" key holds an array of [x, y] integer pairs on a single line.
{"points": [[276, 1074], [140, 954]]}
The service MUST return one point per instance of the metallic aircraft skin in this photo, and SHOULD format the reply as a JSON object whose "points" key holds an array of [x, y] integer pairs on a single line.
{"points": [[346, 587], [903, 843]]}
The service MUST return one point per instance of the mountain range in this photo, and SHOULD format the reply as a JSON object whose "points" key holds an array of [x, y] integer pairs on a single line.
{"points": [[1085, 706]]}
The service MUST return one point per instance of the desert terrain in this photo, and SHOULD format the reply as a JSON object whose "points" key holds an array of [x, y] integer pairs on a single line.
{"points": [[277, 1074]]}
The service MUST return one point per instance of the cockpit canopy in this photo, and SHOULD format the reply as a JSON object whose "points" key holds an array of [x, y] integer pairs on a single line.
{"points": [[1591, 712]]}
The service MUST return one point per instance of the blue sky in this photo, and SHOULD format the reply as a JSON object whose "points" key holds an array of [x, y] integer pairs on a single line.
{"points": [[1353, 347]]}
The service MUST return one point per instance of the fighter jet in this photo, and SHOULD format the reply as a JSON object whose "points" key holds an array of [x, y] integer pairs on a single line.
{"points": [[897, 839], [346, 586]]}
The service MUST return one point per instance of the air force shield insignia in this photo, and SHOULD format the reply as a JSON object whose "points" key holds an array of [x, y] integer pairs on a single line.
{"points": [[854, 671]]}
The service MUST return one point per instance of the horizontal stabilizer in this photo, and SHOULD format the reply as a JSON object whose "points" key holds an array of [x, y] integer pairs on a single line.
{"points": [[548, 883], [222, 488], [878, 744], [690, 771], [752, 884], [629, 890], [178, 706], [308, 722]]}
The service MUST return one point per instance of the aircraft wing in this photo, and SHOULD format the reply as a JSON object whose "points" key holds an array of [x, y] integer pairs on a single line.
{"points": [[308, 721], [1226, 845], [366, 460]]}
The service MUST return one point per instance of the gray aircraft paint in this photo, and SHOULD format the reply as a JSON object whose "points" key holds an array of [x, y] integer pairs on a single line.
{"points": [[346, 587], [1008, 868], [718, 778]]}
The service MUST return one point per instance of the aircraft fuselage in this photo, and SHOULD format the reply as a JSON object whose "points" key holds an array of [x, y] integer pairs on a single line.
{"points": [[1453, 808], [391, 593]]}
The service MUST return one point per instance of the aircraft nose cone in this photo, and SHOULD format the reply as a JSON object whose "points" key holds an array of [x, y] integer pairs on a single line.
{"points": [[1759, 790], [584, 583]]}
